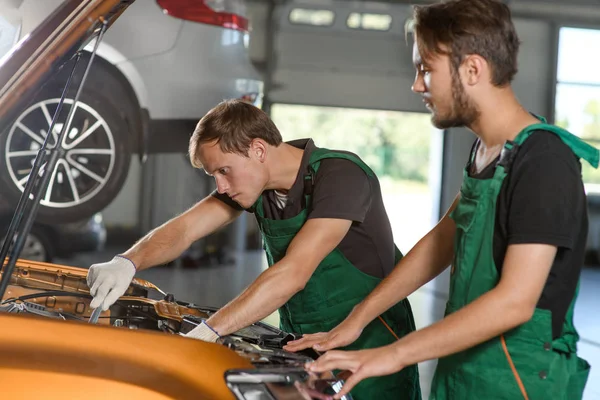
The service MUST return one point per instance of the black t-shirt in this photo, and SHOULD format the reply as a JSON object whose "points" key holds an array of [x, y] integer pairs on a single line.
{"points": [[341, 190], [542, 200]]}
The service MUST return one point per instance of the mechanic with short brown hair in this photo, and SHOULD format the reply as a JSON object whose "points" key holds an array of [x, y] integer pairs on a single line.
{"points": [[515, 235], [325, 230]]}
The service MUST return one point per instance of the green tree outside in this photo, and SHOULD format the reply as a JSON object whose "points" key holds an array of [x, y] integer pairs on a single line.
{"points": [[395, 144]]}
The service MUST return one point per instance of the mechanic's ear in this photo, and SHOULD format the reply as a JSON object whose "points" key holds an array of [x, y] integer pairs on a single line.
{"points": [[258, 149], [474, 67]]}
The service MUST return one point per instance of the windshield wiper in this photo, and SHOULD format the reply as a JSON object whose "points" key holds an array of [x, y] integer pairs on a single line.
{"points": [[37, 182]]}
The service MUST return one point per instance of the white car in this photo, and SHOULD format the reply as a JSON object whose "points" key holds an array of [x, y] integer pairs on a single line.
{"points": [[159, 68]]}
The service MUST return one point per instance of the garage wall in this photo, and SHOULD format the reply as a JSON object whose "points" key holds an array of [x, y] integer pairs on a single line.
{"points": [[166, 184], [122, 212], [176, 186], [337, 66]]}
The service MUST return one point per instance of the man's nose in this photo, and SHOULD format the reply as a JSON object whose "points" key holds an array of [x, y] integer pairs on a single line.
{"points": [[221, 185], [418, 85]]}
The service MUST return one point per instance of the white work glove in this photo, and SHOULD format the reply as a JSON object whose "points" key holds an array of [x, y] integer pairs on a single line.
{"points": [[108, 281], [203, 332]]}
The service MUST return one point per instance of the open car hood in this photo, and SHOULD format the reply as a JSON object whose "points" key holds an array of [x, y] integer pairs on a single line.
{"points": [[40, 54], [136, 348]]}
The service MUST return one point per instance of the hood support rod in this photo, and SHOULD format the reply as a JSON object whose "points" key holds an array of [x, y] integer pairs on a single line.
{"points": [[37, 182]]}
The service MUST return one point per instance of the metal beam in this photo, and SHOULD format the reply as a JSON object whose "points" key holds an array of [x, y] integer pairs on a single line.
{"points": [[555, 11], [553, 77], [271, 54], [543, 3], [560, 11]]}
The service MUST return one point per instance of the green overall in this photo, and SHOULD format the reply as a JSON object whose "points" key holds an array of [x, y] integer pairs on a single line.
{"points": [[334, 289], [548, 368]]}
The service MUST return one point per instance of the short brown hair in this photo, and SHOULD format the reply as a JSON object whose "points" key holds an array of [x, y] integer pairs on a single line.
{"points": [[233, 124], [461, 27]]}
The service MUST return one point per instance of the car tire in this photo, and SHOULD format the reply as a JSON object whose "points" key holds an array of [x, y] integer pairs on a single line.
{"points": [[38, 246], [95, 154]]}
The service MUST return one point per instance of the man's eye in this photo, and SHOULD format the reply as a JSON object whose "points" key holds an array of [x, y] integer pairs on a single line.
{"points": [[223, 171]]}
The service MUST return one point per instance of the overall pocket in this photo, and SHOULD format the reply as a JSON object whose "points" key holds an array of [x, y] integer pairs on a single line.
{"points": [[578, 379]]}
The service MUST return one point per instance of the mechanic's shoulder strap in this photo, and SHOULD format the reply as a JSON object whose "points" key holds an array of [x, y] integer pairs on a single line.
{"points": [[581, 148], [319, 155]]}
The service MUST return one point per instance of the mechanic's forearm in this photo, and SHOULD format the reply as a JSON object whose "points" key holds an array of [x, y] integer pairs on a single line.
{"points": [[430, 256], [273, 288], [158, 247], [491, 315], [169, 240]]}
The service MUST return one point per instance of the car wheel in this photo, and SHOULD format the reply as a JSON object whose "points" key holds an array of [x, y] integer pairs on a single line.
{"points": [[94, 155], [37, 247]]}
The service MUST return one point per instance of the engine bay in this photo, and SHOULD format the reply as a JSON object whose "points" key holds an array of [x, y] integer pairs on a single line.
{"points": [[61, 292]]}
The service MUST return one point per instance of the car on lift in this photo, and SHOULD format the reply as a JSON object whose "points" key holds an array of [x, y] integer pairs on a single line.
{"points": [[51, 335], [162, 66]]}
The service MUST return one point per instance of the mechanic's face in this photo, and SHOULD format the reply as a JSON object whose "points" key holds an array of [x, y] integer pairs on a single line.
{"points": [[243, 179], [443, 91]]}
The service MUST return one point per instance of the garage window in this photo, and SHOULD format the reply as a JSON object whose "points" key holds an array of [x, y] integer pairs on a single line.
{"points": [[372, 22], [401, 147], [577, 103], [304, 16]]}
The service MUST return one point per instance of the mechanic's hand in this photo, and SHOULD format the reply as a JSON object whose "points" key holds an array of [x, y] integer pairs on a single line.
{"points": [[342, 335], [363, 364], [108, 281], [203, 332]]}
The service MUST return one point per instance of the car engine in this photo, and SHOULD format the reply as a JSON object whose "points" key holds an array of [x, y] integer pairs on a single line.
{"points": [[60, 292]]}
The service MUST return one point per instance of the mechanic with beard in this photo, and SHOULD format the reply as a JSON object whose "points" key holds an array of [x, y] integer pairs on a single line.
{"points": [[325, 229], [515, 235]]}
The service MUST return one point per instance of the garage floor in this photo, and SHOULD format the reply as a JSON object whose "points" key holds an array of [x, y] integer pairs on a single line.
{"points": [[216, 285]]}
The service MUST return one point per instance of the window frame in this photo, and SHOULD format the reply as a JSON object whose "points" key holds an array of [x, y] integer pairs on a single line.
{"points": [[556, 82]]}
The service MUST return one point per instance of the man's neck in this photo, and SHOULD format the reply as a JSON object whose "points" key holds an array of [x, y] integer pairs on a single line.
{"points": [[284, 163], [501, 118]]}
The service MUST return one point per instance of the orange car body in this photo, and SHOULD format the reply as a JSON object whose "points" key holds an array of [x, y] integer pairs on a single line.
{"points": [[64, 359]]}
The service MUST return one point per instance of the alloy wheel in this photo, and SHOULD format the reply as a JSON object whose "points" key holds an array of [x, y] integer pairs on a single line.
{"points": [[87, 157]]}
